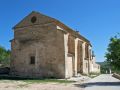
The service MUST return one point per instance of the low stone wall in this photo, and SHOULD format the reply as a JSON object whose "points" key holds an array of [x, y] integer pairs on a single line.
{"points": [[116, 76], [4, 70]]}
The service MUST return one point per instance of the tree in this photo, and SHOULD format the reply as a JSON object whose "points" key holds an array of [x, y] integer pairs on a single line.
{"points": [[104, 67], [113, 52], [4, 56]]}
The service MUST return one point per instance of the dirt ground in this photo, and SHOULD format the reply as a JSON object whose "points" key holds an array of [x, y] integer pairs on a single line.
{"points": [[20, 85]]}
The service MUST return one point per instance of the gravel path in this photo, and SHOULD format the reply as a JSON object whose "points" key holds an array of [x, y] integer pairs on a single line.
{"points": [[19, 85], [103, 82]]}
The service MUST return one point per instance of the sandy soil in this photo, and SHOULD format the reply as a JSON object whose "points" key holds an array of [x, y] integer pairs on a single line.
{"points": [[19, 85]]}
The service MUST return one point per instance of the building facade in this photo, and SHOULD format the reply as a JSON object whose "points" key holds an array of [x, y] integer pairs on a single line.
{"points": [[45, 47]]}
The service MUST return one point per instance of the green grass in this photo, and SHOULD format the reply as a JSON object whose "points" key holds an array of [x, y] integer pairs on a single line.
{"points": [[47, 81], [34, 80]]}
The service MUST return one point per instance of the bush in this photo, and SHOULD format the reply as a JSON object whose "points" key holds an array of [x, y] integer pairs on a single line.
{"points": [[4, 57], [94, 73]]}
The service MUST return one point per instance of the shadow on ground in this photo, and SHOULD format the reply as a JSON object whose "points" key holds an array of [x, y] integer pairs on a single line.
{"points": [[98, 84], [9, 77]]}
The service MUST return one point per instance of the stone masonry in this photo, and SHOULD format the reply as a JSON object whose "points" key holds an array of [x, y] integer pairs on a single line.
{"points": [[44, 47]]}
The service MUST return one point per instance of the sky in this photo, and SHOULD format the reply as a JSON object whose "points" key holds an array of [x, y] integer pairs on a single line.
{"points": [[97, 20]]}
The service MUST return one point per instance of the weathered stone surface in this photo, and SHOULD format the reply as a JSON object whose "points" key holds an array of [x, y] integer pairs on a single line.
{"points": [[46, 43], [116, 76], [71, 44], [57, 50], [80, 56]]}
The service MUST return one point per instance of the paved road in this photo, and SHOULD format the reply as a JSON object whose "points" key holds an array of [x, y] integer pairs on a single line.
{"points": [[103, 82]]}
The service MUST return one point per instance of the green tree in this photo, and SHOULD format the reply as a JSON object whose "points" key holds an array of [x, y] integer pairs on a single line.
{"points": [[4, 57], [113, 52], [104, 66]]}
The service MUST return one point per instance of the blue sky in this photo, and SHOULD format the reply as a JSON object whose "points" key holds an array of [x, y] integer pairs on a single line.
{"points": [[97, 20]]}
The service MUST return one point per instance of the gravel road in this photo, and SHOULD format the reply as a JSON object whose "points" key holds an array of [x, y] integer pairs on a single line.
{"points": [[103, 82]]}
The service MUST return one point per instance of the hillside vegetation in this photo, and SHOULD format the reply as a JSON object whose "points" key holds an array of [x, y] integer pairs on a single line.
{"points": [[4, 57]]}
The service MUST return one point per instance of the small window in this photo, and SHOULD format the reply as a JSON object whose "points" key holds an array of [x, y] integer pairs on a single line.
{"points": [[33, 19], [32, 60]]}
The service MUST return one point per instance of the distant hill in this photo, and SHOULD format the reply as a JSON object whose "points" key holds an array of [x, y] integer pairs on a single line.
{"points": [[102, 63]]}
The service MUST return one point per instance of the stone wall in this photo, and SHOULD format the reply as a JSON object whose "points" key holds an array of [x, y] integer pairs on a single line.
{"points": [[86, 58], [58, 51], [79, 57], [85, 67], [46, 43], [71, 44], [95, 68]]}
